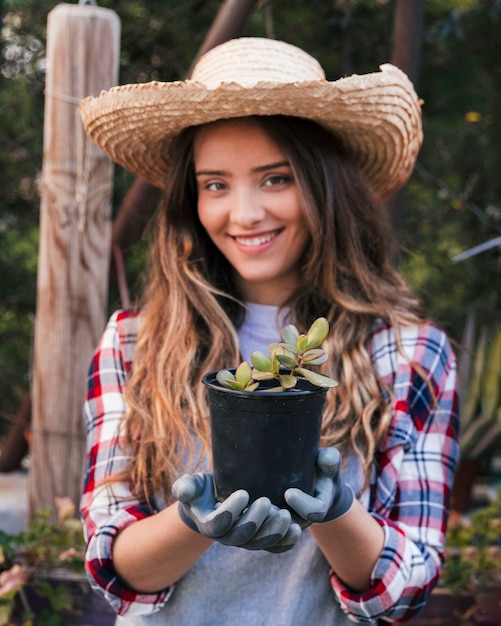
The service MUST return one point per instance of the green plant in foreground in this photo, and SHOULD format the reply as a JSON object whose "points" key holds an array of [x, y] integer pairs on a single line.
{"points": [[286, 362], [30, 556]]}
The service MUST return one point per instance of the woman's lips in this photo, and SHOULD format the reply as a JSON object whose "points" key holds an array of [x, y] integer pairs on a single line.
{"points": [[256, 241]]}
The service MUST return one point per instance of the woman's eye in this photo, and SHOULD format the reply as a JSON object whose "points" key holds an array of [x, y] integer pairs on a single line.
{"points": [[214, 186], [277, 179]]}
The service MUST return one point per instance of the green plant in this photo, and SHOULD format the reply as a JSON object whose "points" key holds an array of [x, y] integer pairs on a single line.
{"points": [[286, 362], [473, 556], [36, 555], [480, 384]]}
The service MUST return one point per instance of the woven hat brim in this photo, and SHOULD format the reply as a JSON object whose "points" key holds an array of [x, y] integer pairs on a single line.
{"points": [[377, 117]]}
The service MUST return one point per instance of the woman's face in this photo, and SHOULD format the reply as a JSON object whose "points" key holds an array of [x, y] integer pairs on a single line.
{"points": [[249, 204]]}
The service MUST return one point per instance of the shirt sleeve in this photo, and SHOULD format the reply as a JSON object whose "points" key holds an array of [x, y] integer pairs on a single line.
{"points": [[413, 475], [106, 509]]}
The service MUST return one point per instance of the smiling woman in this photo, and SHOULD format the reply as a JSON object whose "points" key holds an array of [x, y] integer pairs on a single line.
{"points": [[250, 206], [271, 213]]}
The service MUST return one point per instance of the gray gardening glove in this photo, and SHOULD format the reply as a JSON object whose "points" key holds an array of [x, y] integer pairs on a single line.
{"points": [[332, 497], [261, 526]]}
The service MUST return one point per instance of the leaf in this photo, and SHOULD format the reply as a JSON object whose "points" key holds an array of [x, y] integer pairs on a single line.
{"points": [[226, 379], [13, 579], [283, 348], [287, 361], [491, 380], [252, 387], [469, 409], [465, 359], [65, 507], [317, 332], [316, 379], [472, 434], [314, 357], [261, 361], [243, 374], [257, 375], [486, 442], [287, 381], [289, 334], [302, 343], [293, 349]]}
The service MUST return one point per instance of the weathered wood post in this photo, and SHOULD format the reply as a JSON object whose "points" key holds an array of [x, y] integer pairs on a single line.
{"points": [[83, 43]]}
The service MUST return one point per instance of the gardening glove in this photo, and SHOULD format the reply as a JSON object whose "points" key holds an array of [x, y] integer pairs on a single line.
{"points": [[288, 541], [260, 526], [199, 509], [332, 497]]}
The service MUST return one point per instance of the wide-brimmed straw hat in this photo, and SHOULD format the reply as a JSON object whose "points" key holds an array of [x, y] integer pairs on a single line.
{"points": [[377, 116]]}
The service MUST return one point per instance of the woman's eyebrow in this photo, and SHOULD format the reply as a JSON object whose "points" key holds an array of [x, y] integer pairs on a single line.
{"points": [[210, 173], [271, 166], [259, 168]]}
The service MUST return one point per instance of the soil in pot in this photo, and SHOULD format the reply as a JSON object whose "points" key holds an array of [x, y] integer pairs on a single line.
{"points": [[264, 442]]}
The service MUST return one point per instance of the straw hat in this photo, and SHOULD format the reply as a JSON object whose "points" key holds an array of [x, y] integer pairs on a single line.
{"points": [[377, 116]]}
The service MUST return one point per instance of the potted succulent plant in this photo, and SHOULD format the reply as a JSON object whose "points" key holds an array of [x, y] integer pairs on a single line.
{"points": [[266, 418]]}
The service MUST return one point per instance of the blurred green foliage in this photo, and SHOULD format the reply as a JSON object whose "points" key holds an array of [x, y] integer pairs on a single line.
{"points": [[451, 203]]}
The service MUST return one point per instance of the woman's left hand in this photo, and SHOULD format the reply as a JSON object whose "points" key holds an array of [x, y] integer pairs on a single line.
{"points": [[332, 498]]}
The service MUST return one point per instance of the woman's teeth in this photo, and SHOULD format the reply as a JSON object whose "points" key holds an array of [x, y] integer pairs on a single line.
{"points": [[255, 241]]}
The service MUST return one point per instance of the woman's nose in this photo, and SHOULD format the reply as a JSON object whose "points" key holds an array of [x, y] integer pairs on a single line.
{"points": [[247, 208]]}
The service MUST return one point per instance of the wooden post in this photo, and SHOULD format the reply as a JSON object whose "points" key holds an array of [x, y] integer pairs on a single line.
{"points": [[407, 29], [83, 44]]}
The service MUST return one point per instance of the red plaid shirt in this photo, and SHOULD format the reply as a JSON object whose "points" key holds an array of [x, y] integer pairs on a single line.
{"points": [[410, 488]]}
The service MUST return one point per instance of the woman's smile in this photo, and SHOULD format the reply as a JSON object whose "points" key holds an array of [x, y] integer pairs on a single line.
{"points": [[250, 205], [256, 243]]}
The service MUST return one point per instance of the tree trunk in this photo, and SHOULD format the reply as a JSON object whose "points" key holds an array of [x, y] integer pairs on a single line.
{"points": [[407, 28], [83, 45], [15, 446]]}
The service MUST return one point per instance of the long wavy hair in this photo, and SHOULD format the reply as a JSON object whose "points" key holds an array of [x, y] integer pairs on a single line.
{"points": [[192, 309]]}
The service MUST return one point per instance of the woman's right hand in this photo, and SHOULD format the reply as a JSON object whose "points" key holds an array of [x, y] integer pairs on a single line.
{"points": [[260, 526]]}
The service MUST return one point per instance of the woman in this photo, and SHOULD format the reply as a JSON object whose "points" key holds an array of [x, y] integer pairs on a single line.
{"points": [[273, 180]]}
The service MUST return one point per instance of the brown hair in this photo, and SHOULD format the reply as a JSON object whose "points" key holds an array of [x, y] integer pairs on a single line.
{"points": [[192, 308]]}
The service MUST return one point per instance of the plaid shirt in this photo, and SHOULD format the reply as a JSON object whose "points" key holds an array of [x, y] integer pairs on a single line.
{"points": [[410, 488]]}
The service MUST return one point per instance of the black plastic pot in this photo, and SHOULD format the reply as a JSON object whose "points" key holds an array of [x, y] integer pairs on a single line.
{"points": [[264, 442]]}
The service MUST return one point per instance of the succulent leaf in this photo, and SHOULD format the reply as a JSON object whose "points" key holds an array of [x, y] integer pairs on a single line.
{"points": [[289, 334], [287, 361], [261, 361], [315, 356], [252, 387], [225, 378], [302, 343], [316, 379], [257, 375], [287, 381], [290, 348], [272, 347], [243, 374], [317, 332]]}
